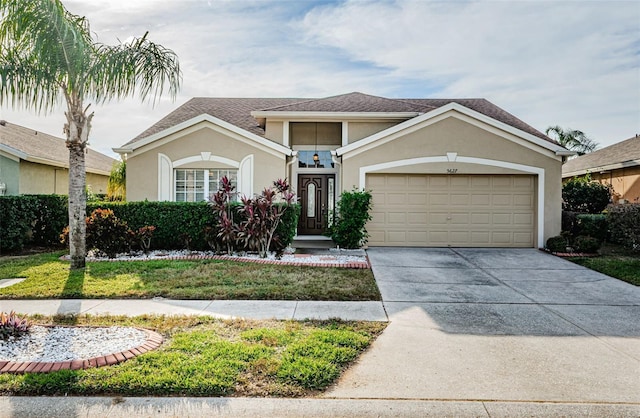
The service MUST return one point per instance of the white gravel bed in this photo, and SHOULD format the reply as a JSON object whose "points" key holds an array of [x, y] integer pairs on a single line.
{"points": [[333, 258], [51, 344]]}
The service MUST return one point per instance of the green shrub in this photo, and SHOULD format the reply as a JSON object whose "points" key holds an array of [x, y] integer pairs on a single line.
{"points": [[352, 214], [557, 244], [585, 244], [288, 226], [624, 224], [173, 221], [570, 222], [582, 195], [592, 225], [31, 220], [107, 233]]}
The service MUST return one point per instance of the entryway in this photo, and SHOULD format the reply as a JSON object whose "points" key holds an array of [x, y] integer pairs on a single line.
{"points": [[317, 200]]}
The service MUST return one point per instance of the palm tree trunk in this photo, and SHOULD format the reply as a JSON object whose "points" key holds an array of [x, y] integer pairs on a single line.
{"points": [[77, 205]]}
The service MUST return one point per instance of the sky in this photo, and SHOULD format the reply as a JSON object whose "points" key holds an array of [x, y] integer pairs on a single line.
{"points": [[575, 64]]}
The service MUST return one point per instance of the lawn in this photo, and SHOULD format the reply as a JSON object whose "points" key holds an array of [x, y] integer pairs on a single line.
{"points": [[48, 277], [203, 356], [614, 261]]}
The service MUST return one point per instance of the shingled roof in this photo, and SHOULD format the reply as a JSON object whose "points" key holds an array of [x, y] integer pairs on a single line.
{"points": [[353, 102], [625, 153], [31, 145], [237, 111]]}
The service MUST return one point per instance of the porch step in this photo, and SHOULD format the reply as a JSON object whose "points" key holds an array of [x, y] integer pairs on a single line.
{"points": [[323, 243]]}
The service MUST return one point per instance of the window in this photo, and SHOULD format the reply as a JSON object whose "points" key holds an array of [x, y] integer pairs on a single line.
{"points": [[196, 185], [305, 159]]}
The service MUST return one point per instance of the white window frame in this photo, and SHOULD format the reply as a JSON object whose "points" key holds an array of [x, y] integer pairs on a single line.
{"points": [[207, 192]]}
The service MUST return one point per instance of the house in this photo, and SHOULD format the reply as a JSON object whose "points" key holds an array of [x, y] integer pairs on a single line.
{"points": [[33, 162], [443, 172], [617, 165]]}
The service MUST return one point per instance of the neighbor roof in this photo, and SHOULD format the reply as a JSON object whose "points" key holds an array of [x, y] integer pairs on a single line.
{"points": [[34, 146], [237, 111], [618, 155]]}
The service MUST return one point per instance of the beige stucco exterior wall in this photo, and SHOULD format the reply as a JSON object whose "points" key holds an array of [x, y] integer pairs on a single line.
{"points": [[625, 183], [142, 164], [274, 131], [47, 179], [453, 135], [308, 133], [359, 130]]}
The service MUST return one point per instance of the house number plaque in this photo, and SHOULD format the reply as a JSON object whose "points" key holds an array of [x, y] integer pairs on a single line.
{"points": [[452, 170]]}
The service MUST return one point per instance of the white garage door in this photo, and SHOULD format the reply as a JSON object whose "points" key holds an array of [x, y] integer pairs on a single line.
{"points": [[452, 210]]}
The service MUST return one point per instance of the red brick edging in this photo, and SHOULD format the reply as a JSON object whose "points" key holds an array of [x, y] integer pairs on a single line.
{"points": [[352, 265], [154, 340]]}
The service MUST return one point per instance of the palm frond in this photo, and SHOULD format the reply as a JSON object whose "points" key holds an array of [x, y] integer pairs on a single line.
{"points": [[141, 66]]}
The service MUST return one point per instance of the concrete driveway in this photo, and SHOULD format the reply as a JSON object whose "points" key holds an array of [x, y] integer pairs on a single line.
{"points": [[500, 325]]}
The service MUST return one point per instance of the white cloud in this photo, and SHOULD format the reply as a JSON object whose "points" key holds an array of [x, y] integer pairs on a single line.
{"points": [[567, 63], [576, 64]]}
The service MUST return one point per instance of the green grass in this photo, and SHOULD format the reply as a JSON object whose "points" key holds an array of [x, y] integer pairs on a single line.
{"points": [[48, 277], [209, 357], [614, 261]]}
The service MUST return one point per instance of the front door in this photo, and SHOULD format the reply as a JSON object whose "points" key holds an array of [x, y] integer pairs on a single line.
{"points": [[317, 192]]}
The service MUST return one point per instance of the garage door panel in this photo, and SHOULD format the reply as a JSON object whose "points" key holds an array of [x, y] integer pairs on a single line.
{"points": [[501, 237], [416, 237], [438, 238], [481, 199], [480, 218], [522, 200], [417, 199], [522, 238], [439, 199], [455, 210], [396, 199], [480, 238], [438, 218], [397, 237], [416, 219], [460, 199], [459, 219], [501, 199], [523, 219]]}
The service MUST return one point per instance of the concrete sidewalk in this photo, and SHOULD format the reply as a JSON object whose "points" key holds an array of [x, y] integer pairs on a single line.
{"points": [[251, 309]]}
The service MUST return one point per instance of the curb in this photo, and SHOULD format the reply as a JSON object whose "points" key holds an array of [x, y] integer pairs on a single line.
{"points": [[154, 340]]}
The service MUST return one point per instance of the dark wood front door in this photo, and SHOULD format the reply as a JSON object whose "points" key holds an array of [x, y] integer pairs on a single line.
{"points": [[316, 193]]}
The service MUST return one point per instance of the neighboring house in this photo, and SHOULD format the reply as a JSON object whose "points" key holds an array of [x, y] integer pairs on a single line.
{"points": [[617, 165], [459, 172], [33, 162]]}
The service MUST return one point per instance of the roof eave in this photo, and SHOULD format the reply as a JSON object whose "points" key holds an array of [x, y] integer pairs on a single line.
{"points": [[205, 117], [598, 169], [463, 110]]}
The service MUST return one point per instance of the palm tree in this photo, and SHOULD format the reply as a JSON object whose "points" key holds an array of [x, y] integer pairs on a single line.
{"points": [[572, 139], [117, 184], [48, 56]]}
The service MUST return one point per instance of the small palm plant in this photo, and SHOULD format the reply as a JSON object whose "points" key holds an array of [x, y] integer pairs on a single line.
{"points": [[12, 325]]}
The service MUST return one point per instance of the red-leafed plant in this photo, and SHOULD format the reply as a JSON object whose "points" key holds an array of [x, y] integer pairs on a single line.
{"points": [[259, 217], [13, 325], [263, 215], [227, 231], [105, 232], [144, 236]]}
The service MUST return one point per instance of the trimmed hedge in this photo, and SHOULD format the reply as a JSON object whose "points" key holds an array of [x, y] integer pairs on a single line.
{"points": [[39, 220], [31, 220], [175, 222], [624, 224]]}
